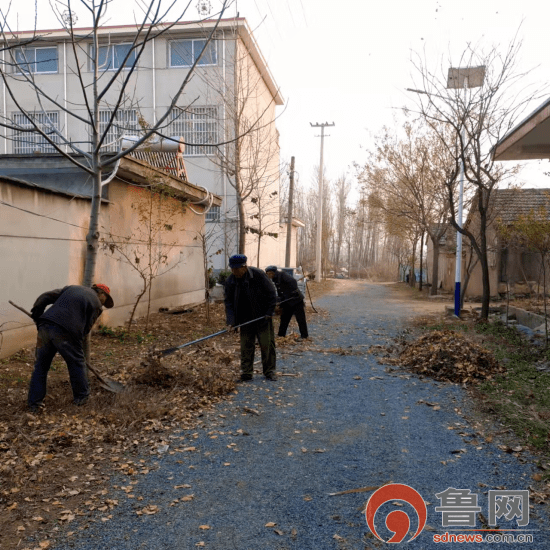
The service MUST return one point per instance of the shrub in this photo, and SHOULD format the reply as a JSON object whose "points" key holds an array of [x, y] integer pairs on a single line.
{"points": [[222, 276]]}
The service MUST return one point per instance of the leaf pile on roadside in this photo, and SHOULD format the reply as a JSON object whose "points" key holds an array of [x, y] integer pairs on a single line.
{"points": [[446, 355]]}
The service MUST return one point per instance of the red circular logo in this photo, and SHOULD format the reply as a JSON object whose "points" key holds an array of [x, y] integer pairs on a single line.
{"points": [[398, 521]]}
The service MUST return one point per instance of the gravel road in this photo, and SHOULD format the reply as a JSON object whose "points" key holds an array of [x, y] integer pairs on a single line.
{"points": [[265, 463]]}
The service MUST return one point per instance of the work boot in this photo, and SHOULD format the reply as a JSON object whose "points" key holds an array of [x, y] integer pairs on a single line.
{"points": [[245, 378], [36, 407], [271, 376]]}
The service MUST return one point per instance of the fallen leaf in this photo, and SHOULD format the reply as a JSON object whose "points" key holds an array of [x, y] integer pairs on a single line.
{"points": [[270, 524], [537, 477], [204, 527], [280, 533]]}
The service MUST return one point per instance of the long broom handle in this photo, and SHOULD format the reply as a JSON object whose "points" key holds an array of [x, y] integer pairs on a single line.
{"points": [[169, 351]]}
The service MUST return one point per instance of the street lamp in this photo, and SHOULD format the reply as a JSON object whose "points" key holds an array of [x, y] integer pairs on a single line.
{"points": [[464, 77]]}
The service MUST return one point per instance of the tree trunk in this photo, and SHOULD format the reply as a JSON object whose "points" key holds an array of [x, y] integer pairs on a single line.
{"points": [[421, 257], [413, 262], [486, 288], [140, 296], [484, 267], [242, 227], [435, 266]]}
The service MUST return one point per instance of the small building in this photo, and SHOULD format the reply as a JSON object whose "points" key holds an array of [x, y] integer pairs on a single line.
{"points": [[511, 268], [45, 209], [296, 225], [446, 264]]}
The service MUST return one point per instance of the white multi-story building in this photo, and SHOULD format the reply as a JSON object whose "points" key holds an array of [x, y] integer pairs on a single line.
{"points": [[226, 114]]}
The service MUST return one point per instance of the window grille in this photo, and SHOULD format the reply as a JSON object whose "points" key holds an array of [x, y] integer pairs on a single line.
{"points": [[183, 53], [30, 142], [197, 126], [125, 123], [213, 215], [36, 60]]}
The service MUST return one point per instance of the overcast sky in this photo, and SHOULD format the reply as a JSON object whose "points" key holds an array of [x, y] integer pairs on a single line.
{"points": [[349, 62]]}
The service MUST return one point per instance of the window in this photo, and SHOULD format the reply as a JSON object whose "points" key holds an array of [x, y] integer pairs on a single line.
{"points": [[213, 215], [111, 57], [197, 125], [125, 123], [36, 60], [183, 53], [30, 142]]}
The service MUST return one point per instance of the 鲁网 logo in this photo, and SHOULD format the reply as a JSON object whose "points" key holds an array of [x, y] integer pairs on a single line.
{"points": [[397, 521]]}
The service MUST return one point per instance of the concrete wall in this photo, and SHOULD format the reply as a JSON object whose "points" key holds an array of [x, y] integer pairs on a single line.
{"points": [[40, 254]]}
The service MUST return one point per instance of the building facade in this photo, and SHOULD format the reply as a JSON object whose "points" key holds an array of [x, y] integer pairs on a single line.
{"points": [[225, 115]]}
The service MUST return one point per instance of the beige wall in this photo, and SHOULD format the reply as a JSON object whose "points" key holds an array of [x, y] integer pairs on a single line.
{"points": [[40, 254]]}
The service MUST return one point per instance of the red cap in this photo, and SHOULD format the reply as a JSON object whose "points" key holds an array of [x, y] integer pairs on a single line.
{"points": [[109, 302]]}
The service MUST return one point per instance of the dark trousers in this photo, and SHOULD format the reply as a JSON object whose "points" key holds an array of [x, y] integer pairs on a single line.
{"points": [[52, 339], [266, 338], [299, 311]]}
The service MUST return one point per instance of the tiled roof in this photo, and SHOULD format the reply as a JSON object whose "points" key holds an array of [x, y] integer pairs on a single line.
{"points": [[510, 204]]}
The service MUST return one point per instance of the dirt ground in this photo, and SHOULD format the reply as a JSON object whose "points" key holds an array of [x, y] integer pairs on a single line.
{"points": [[55, 465]]}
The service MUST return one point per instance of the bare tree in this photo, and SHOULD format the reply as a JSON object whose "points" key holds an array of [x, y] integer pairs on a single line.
{"points": [[406, 172], [149, 249], [476, 119], [343, 188], [250, 156]]}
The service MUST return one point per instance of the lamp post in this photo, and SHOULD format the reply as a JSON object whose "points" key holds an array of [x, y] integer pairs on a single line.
{"points": [[465, 77]]}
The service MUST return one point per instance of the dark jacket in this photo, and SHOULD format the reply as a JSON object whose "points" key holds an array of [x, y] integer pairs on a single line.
{"points": [[75, 308], [287, 289], [248, 298]]}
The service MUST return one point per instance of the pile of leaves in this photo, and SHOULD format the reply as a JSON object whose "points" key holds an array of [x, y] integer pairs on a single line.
{"points": [[447, 355]]}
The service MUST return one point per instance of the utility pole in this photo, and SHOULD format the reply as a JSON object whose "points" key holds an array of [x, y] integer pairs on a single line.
{"points": [[320, 202], [290, 204]]}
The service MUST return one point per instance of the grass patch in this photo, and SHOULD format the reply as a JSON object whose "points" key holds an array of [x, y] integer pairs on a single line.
{"points": [[520, 397]]}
